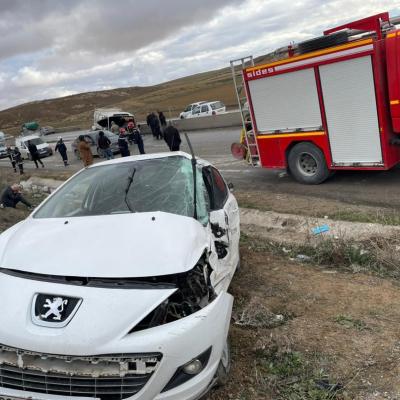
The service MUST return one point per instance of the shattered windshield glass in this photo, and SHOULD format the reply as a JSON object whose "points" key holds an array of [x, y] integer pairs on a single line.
{"points": [[160, 184]]}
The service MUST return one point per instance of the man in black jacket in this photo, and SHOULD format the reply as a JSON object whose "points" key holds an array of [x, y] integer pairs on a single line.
{"points": [[11, 196], [34, 154], [104, 144], [172, 137], [62, 149]]}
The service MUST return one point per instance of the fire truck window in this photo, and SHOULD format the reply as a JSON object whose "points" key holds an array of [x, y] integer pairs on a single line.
{"points": [[220, 189]]}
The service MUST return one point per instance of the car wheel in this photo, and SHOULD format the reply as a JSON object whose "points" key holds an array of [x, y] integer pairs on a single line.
{"points": [[307, 164], [224, 366]]}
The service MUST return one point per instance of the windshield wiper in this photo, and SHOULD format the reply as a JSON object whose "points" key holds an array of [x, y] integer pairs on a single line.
{"points": [[130, 180]]}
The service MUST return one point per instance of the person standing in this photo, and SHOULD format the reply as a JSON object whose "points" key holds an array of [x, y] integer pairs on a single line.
{"points": [[17, 157], [11, 196], [11, 157], [34, 154], [172, 137], [62, 149], [162, 119], [150, 122], [104, 144], [123, 144], [84, 151], [157, 130], [137, 137]]}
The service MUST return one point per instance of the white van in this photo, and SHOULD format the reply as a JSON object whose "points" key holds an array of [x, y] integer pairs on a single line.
{"points": [[44, 148], [209, 108]]}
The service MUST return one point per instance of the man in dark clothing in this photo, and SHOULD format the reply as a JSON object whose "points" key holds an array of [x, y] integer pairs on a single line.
{"points": [[11, 196], [123, 144], [34, 154], [17, 157], [150, 122], [172, 138], [10, 156], [104, 144], [162, 119], [62, 149], [137, 137]]}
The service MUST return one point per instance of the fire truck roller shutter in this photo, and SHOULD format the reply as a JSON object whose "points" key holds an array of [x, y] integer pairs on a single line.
{"points": [[350, 106], [286, 102]]}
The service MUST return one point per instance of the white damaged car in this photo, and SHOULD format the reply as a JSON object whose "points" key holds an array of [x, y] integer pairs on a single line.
{"points": [[129, 298]]}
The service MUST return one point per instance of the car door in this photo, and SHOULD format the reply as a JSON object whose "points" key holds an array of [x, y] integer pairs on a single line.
{"points": [[205, 110], [224, 225]]}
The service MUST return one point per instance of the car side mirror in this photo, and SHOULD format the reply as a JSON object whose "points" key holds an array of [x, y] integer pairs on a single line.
{"points": [[230, 186]]}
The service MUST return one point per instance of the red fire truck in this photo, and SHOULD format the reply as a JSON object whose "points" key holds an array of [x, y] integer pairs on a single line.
{"points": [[326, 104]]}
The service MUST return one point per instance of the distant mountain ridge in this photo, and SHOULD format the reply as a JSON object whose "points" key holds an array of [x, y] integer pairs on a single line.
{"points": [[77, 110]]}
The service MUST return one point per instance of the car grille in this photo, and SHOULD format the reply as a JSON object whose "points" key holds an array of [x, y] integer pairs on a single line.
{"points": [[108, 377]]}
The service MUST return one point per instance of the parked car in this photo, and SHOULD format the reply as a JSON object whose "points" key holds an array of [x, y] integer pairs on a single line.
{"points": [[131, 299], [44, 148], [47, 130], [92, 138], [205, 109], [188, 109], [3, 152]]}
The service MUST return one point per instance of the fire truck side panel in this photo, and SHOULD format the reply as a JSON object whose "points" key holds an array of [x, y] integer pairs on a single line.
{"points": [[393, 73], [274, 148], [350, 106], [286, 102], [271, 154], [391, 151]]}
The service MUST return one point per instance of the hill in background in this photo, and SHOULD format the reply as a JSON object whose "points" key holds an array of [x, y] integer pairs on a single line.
{"points": [[76, 111]]}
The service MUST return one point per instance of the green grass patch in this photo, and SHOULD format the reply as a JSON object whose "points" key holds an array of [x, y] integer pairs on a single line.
{"points": [[292, 376], [349, 322]]}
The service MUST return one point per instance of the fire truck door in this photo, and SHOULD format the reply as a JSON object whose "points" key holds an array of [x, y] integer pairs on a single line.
{"points": [[350, 106]]}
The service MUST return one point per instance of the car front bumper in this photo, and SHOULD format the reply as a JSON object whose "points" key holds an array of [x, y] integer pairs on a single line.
{"points": [[178, 342]]}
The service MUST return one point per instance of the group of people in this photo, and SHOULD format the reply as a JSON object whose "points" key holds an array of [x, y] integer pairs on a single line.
{"points": [[156, 123], [127, 137], [16, 158]]}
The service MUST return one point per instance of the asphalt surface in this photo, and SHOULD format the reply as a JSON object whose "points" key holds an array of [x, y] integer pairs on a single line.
{"points": [[369, 188]]}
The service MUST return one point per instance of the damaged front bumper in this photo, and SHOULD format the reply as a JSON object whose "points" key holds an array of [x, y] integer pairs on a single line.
{"points": [[54, 364]]}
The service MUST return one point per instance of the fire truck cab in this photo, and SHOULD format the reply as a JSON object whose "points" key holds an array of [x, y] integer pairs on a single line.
{"points": [[331, 103]]}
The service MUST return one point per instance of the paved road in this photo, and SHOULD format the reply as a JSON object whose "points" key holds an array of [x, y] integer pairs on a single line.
{"points": [[371, 188]]}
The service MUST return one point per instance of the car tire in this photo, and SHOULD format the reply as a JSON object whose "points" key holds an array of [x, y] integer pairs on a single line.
{"points": [[224, 366], [307, 164], [322, 42]]}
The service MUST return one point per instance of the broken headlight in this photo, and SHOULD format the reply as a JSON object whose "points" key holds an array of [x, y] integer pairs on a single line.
{"points": [[193, 292]]}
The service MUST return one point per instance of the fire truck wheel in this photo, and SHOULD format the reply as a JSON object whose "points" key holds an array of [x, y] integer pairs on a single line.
{"points": [[307, 164], [322, 42]]}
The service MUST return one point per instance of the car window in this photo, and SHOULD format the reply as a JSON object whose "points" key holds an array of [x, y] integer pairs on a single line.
{"points": [[196, 110], [204, 108], [89, 139], [188, 108], [216, 105], [161, 184], [36, 141], [215, 184]]}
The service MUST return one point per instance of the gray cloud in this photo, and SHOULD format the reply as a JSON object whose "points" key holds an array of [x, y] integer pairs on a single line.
{"points": [[50, 48]]}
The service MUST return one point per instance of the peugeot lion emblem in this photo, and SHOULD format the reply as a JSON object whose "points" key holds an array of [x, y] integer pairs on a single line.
{"points": [[53, 310]]}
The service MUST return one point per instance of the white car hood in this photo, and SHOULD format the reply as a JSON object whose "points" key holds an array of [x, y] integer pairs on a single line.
{"points": [[113, 246]]}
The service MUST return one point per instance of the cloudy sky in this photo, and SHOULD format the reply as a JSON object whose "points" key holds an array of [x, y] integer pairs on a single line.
{"points": [[54, 48]]}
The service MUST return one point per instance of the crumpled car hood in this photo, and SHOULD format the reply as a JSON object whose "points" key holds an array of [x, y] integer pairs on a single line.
{"points": [[113, 246]]}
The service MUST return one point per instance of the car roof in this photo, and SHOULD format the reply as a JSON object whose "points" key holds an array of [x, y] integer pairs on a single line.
{"points": [[25, 138], [152, 156]]}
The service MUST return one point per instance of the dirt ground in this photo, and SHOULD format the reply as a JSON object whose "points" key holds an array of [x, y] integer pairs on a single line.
{"points": [[302, 330]]}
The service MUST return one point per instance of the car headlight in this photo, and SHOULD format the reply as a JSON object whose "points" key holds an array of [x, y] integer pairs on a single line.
{"points": [[193, 292]]}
